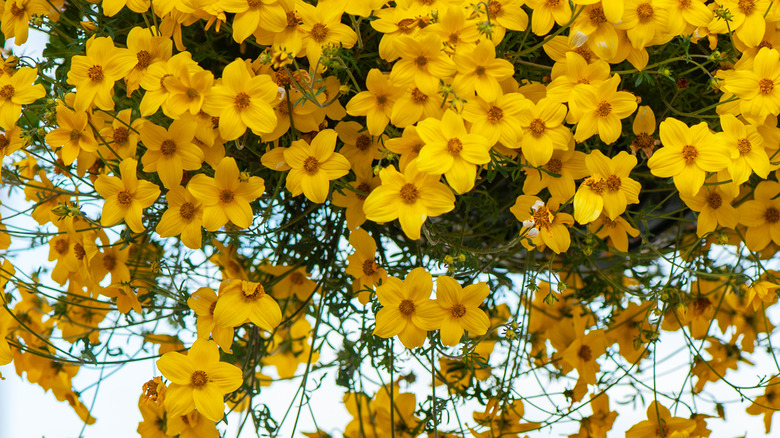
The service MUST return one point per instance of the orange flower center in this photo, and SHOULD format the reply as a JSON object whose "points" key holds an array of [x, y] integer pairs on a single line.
{"points": [[596, 185], [418, 96], [192, 93], [765, 86], [405, 25], [597, 16], [121, 135], [124, 198], [766, 44], [212, 307], [226, 196], [689, 153], [744, 146], [256, 293], [644, 11], [644, 141], [416, 148], [495, 114], [603, 108], [480, 70], [554, 165], [293, 20], [310, 165], [369, 267], [7, 92], [537, 126], [187, 211], [421, 61], [381, 100], [3, 143], [95, 73], [363, 142], [494, 8], [364, 188], [253, 4], [613, 183], [168, 148], [16, 11], [454, 146], [552, 3], [406, 308], [585, 52], [409, 193], [543, 217], [78, 250], [746, 6], [150, 390], [199, 379], [242, 101], [144, 59], [458, 310], [771, 215], [683, 4], [319, 32], [585, 353], [714, 200], [296, 278], [109, 262]]}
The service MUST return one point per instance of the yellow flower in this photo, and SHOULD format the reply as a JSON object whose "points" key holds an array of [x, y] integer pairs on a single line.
{"points": [[762, 293], [498, 119], [505, 14], [599, 109], [226, 197], [644, 127], [660, 423], [714, 207], [360, 148], [148, 48], [126, 299], [747, 149], [456, 28], [546, 13], [314, 166], [762, 216], [643, 24], [112, 7], [688, 153], [126, 197], [461, 309], [73, 136], [413, 106], [411, 197], [15, 19], [376, 103], [685, 15], [757, 86], [94, 74], [362, 263], [547, 228], [582, 353], [747, 20], [616, 230], [242, 100], [767, 404], [121, 134], [422, 63], [251, 14], [192, 425], [408, 146], [544, 132], [198, 380], [187, 90], [171, 151], [365, 182], [574, 69], [562, 169], [184, 216], [609, 187], [479, 71], [292, 282], [407, 310], [203, 302], [17, 90], [322, 27], [245, 300]]}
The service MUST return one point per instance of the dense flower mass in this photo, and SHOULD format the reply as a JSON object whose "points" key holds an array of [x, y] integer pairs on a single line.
{"points": [[506, 204]]}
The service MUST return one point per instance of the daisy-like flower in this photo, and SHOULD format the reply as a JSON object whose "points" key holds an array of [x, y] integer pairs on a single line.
{"points": [[422, 63], [761, 215], [616, 230], [360, 148], [747, 149], [94, 74], [242, 101], [544, 132], [461, 309], [245, 300], [546, 227], [126, 197], [184, 216], [73, 136], [684, 15], [198, 380], [314, 165], [609, 187], [376, 103], [170, 151], [362, 263], [408, 146], [15, 18], [226, 197], [413, 106], [756, 86], [407, 310], [126, 298], [148, 49], [660, 423], [410, 197], [478, 70], [451, 150], [644, 127], [112, 7], [562, 170], [499, 119], [17, 90], [365, 182], [203, 301], [187, 90], [599, 109], [747, 19], [323, 27], [122, 133], [546, 13], [250, 14], [687, 155], [572, 70]]}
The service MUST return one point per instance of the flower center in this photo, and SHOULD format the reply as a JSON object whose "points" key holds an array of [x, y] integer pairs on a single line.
{"points": [[689, 153], [75, 135], [310, 165], [381, 100], [256, 293], [78, 250], [293, 20], [454, 146], [187, 211], [192, 93], [537, 126], [603, 109], [683, 4], [199, 379], [596, 184], [585, 52], [369, 267], [494, 8], [3, 143], [552, 3], [144, 59], [480, 70], [226, 196], [319, 32], [406, 308], [495, 114], [746, 6], [212, 307], [7, 92], [418, 96], [109, 262], [421, 61], [458, 310], [95, 73], [744, 146], [363, 142], [766, 44], [61, 246], [554, 165], [613, 183], [585, 353], [409, 193], [405, 25], [714, 200], [121, 135], [543, 217], [771, 215], [124, 198], [597, 16], [644, 141], [765, 86], [364, 188], [296, 278], [168, 148], [242, 100], [644, 11], [16, 11]]}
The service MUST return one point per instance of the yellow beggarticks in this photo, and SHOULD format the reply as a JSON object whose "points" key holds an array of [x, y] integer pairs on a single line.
{"points": [[761, 216], [376, 103], [543, 131], [757, 85], [422, 63], [322, 27], [461, 309], [479, 71], [746, 146], [544, 225], [599, 109], [661, 423], [499, 119], [15, 91], [251, 14], [407, 310], [198, 380], [95, 73], [714, 207], [314, 165], [170, 151], [362, 264], [365, 182], [126, 197], [609, 187], [184, 216], [562, 170], [242, 301], [73, 136]]}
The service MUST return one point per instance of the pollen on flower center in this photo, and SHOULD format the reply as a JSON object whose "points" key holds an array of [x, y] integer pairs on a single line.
{"points": [[494, 8], [75, 135], [61, 246], [78, 250], [603, 109], [409, 193], [369, 267], [458, 310], [242, 100], [381, 100], [543, 217], [585, 52], [480, 70], [766, 44], [689, 153], [644, 141], [192, 93], [7, 92], [292, 20], [418, 96], [16, 11], [124, 198], [199, 379], [714, 200], [405, 26], [746, 6], [765, 86], [554, 165], [597, 16], [495, 114], [256, 293], [310, 165], [744, 146], [421, 61], [144, 59], [552, 3], [362, 187], [596, 184], [121, 135], [644, 11], [168, 148], [187, 211], [585, 353], [454, 146], [683, 4], [3, 143], [319, 32], [95, 73], [109, 262], [363, 142], [226, 196], [771, 215], [212, 307], [613, 183], [296, 278], [406, 308], [254, 3], [537, 126]]}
